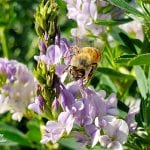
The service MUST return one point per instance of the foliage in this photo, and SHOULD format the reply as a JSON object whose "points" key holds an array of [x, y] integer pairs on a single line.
{"points": [[124, 67]]}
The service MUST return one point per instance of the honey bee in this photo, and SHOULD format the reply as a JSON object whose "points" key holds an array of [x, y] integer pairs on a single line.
{"points": [[84, 62]]}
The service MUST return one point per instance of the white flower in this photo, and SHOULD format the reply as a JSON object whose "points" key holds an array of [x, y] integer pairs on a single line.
{"points": [[134, 28], [85, 14], [116, 134], [17, 93]]}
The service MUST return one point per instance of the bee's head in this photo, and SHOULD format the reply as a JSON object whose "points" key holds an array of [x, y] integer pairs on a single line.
{"points": [[76, 73]]}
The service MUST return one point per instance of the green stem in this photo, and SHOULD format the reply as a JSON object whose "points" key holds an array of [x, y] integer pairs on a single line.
{"points": [[4, 41]]}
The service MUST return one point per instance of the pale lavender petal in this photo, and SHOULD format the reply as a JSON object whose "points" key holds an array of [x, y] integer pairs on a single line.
{"points": [[94, 132], [54, 53], [104, 140], [113, 111], [112, 105], [78, 4], [44, 59], [123, 131], [37, 106], [55, 105], [57, 134], [67, 120], [69, 124], [93, 10], [115, 146], [117, 129], [130, 118], [77, 106], [72, 13], [112, 101], [81, 138], [50, 125], [83, 20], [86, 8], [42, 48], [95, 138], [64, 46], [109, 118], [46, 138], [87, 120], [60, 69], [101, 123], [101, 94], [74, 88], [54, 132], [63, 116], [66, 99]]}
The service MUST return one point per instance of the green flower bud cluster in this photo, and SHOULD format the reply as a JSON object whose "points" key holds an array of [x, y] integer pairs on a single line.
{"points": [[45, 21], [45, 75], [3, 78], [46, 28]]}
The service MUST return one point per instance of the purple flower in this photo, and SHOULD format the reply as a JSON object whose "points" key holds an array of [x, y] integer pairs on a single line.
{"points": [[18, 91], [116, 133], [94, 133], [66, 99], [55, 105], [130, 118], [55, 130], [91, 112], [112, 105], [42, 48], [97, 106], [85, 14], [8, 68], [81, 138], [38, 105]]}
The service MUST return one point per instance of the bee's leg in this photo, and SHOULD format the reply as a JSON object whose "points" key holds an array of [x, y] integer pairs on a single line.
{"points": [[93, 67], [66, 69]]}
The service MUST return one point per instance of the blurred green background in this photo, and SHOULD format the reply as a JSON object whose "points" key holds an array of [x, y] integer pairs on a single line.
{"points": [[18, 39]]}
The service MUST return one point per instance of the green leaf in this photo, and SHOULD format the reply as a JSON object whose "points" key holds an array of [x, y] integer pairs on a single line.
{"points": [[141, 81], [127, 7], [12, 134], [137, 42], [143, 59], [124, 49], [113, 73], [114, 32], [124, 59], [70, 143], [107, 84], [128, 42], [113, 22], [34, 133]]}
